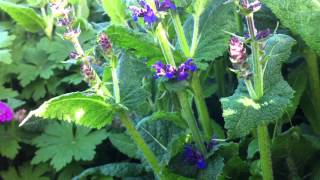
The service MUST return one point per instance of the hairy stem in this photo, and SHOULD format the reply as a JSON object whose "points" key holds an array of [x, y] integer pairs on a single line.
{"points": [[265, 154], [203, 112], [195, 35], [180, 33], [187, 114], [262, 130], [165, 45], [133, 132], [141, 144], [196, 86]]}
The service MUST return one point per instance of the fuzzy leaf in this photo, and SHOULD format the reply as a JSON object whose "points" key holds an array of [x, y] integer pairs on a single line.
{"points": [[213, 42], [24, 16], [131, 72], [241, 113], [164, 138], [213, 171], [116, 10], [81, 108], [199, 6], [124, 144], [299, 16], [119, 170], [9, 145], [26, 172], [140, 44], [62, 142]]}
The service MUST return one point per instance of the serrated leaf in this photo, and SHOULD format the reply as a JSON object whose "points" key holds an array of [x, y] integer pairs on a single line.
{"points": [[24, 16], [116, 10], [5, 39], [119, 170], [7, 93], [83, 109], [299, 16], [5, 56], [213, 42], [241, 113], [62, 142], [26, 172], [142, 45], [9, 146], [130, 73], [124, 144]]}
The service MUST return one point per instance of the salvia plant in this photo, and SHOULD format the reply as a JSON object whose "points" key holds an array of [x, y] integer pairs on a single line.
{"points": [[159, 89]]}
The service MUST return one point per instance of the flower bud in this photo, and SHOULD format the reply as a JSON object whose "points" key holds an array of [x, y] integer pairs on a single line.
{"points": [[251, 7], [237, 51], [87, 72], [105, 43]]}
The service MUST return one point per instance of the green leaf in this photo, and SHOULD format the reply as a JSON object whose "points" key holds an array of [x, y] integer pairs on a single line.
{"points": [[213, 42], [214, 169], [7, 93], [142, 45], [160, 115], [9, 146], [26, 172], [24, 16], [300, 17], [81, 108], [116, 10], [70, 171], [62, 142], [5, 56], [164, 138], [124, 144], [241, 113], [119, 170], [5, 39], [253, 148], [130, 73]]}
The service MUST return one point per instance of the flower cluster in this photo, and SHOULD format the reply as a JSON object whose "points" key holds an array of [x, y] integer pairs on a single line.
{"points": [[238, 58], [237, 51], [171, 72], [260, 34], [194, 157], [147, 12], [6, 113], [105, 43], [253, 6]]}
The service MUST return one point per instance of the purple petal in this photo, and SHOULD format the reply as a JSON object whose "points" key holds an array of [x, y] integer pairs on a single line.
{"points": [[6, 113]]}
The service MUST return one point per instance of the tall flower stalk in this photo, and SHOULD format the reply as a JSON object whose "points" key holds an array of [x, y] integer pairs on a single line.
{"points": [[256, 90], [62, 15]]}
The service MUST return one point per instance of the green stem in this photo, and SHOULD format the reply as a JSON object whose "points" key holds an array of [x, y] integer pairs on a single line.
{"points": [[133, 132], [187, 114], [265, 154], [165, 45], [183, 97], [257, 68], [195, 35], [196, 86], [141, 144], [180, 33], [238, 17], [262, 130], [203, 112], [116, 88], [314, 81]]}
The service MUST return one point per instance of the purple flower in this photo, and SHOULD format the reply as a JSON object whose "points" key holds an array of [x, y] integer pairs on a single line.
{"points": [[72, 34], [254, 6], [263, 34], [194, 157], [185, 68], [165, 5], [105, 43], [163, 70], [237, 51], [6, 113], [146, 12], [74, 55]]}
